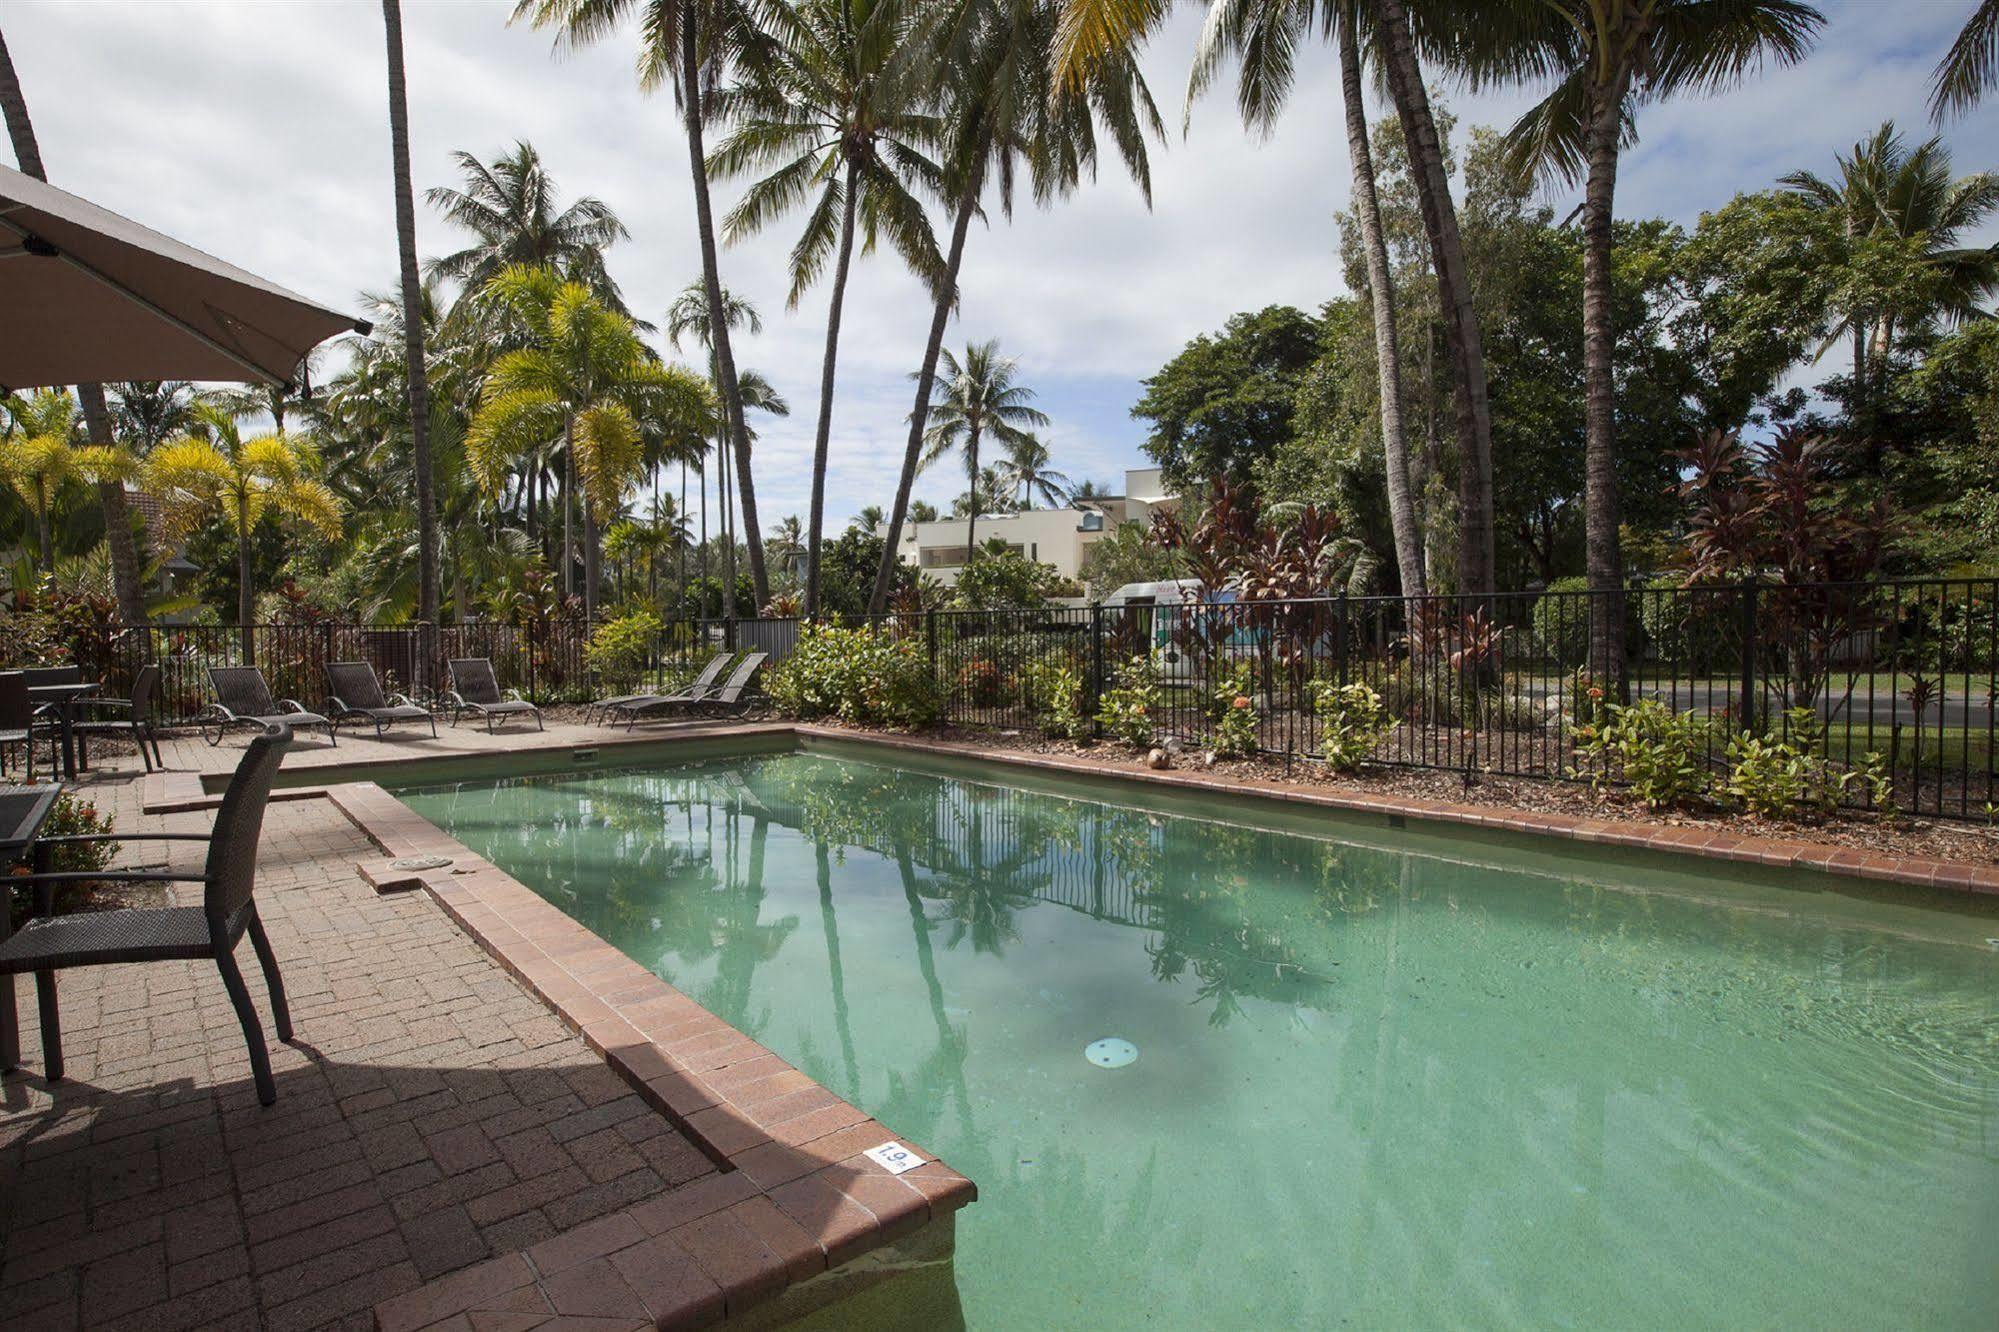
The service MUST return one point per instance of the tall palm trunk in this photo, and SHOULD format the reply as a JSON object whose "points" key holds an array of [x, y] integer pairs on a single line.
{"points": [[1603, 559], [246, 602], [940, 315], [972, 521], [96, 416], [1387, 352], [1440, 220], [711, 278], [822, 442], [416, 374], [568, 505]]}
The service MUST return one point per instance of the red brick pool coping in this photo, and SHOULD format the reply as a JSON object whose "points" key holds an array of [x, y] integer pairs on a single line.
{"points": [[794, 1196]]}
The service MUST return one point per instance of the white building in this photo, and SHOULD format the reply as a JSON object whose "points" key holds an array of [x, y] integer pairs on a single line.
{"points": [[1051, 536]]}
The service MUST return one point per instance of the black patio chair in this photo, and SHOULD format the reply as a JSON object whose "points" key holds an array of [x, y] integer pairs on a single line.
{"points": [[133, 717], [475, 689], [728, 698], [23, 722], [53, 675], [244, 699], [50, 943], [700, 684], [356, 695]]}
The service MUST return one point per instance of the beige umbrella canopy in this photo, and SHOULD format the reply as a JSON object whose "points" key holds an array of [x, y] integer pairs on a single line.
{"points": [[87, 296]]}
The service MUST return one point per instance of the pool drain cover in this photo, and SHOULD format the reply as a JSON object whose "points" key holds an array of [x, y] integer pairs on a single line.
{"points": [[1110, 1052], [419, 863]]}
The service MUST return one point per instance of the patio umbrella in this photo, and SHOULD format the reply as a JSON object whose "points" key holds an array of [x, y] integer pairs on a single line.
{"points": [[88, 296]]}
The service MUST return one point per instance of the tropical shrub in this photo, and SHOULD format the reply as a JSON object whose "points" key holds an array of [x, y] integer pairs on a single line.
{"points": [[981, 684], [1235, 714], [1561, 622], [1353, 719], [1776, 776], [71, 816], [1127, 710], [1055, 694], [619, 649], [857, 675], [1006, 578], [1659, 753]]}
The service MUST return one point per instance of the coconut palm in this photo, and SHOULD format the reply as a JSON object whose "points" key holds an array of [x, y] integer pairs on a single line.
{"points": [[691, 48], [972, 400], [1887, 193], [1262, 39], [584, 376], [511, 206], [1004, 116], [412, 293], [1026, 466], [125, 575], [869, 518], [689, 317], [1971, 66], [787, 546], [147, 414], [1605, 58], [836, 121], [213, 472]]}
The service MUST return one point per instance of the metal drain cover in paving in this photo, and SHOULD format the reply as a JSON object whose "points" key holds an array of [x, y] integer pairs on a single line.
{"points": [[420, 863], [1110, 1052]]}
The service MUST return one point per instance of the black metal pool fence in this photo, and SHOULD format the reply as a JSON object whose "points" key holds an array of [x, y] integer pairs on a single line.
{"points": [[1499, 684]]}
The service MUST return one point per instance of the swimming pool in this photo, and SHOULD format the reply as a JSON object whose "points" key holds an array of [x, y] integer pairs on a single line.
{"points": [[1379, 1077]]}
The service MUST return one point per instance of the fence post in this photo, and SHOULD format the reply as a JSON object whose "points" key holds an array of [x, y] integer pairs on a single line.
{"points": [[1340, 639], [930, 639], [1096, 666], [1746, 704]]}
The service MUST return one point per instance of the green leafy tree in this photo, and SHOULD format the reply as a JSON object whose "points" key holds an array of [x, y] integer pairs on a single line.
{"points": [[1225, 402]]}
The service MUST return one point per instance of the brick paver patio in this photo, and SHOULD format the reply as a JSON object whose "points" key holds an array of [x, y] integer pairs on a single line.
{"points": [[432, 1114]]}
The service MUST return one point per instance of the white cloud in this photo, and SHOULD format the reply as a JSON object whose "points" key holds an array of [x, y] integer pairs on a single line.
{"points": [[259, 131]]}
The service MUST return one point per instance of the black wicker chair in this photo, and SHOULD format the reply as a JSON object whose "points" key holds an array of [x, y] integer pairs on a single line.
{"points": [[475, 689], [244, 699], [49, 943], [23, 723], [137, 721], [356, 695]]}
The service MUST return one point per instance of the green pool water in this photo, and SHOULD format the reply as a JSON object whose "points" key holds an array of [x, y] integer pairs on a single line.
{"points": [[1383, 1078]]}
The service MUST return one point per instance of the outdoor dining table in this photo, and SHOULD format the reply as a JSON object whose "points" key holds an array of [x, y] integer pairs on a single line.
{"points": [[23, 811], [63, 698]]}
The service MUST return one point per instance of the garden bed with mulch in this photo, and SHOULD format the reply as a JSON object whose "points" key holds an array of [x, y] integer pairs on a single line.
{"points": [[1934, 839]]}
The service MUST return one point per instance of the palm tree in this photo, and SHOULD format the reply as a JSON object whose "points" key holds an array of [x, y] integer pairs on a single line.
{"points": [[1091, 491], [1970, 67], [511, 207], [922, 511], [688, 317], [1026, 466], [41, 456], [971, 400], [690, 47], [412, 292], [213, 472], [787, 546], [584, 376], [869, 518], [125, 576], [1887, 192], [148, 414], [1004, 112], [1606, 57], [1263, 39], [834, 117]]}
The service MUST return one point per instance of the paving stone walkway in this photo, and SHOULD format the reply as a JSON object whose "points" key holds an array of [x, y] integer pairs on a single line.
{"points": [[432, 1114]]}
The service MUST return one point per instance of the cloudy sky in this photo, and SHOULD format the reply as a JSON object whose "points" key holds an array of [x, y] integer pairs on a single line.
{"points": [[257, 129]]}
